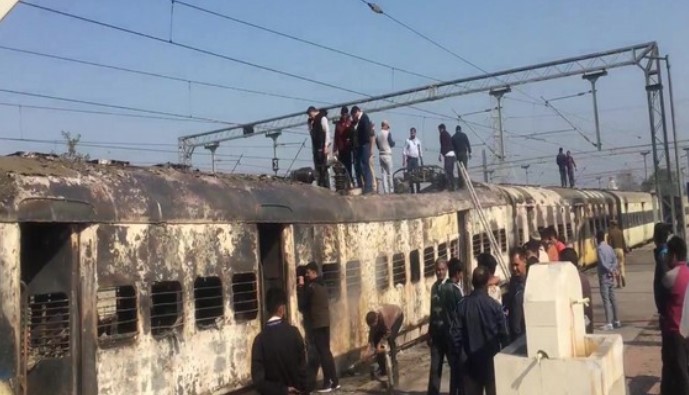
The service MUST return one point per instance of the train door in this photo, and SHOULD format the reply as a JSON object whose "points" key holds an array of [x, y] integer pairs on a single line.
{"points": [[272, 259], [50, 314]]}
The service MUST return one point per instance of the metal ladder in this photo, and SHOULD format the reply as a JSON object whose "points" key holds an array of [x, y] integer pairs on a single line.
{"points": [[494, 246]]}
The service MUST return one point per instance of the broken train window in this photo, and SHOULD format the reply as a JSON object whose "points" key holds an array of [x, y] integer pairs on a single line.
{"points": [[208, 302], [49, 329], [331, 278], [382, 273], [415, 266], [353, 276], [117, 313], [429, 261], [399, 272], [166, 307], [244, 296]]}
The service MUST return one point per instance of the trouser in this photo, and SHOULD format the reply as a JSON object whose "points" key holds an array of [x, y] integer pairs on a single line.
{"points": [[358, 173], [450, 171], [607, 293], [476, 387], [372, 167], [456, 373], [345, 157], [438, 354], [570, 172], [563, 177], [392, 344], [321, 165], [675, 373], [320, 340], [364, 155], [386, 172], [619, 253], [462, 158], [413, 163]]}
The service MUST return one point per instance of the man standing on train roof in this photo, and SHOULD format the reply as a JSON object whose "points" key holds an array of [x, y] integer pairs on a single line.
{"points": [[384, 325], [447, 154], [278, 360], [462, 148], [514, 300], [437, 338], [561, 161], [412, 158], [313, 303], [607, 267], [320, 144], [365, 138], [385, 143], [571, 167], [481, 333], [342, 147], [619, 245], [451, 294]]}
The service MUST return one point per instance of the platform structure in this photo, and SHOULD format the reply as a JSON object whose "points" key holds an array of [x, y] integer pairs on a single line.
{"points": [[639, 333]]}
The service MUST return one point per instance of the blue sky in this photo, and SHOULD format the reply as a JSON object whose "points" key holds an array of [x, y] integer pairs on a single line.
{"points": [[494, 35]]}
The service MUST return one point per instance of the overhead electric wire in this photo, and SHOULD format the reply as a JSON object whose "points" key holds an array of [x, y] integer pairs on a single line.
{"points": [[99, 104], [49, 108], [156, 75], [302, 40], [191, 48]]}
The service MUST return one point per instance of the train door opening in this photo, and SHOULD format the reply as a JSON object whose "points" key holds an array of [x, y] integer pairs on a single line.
{"points": [[50, 310], [273, 274]]}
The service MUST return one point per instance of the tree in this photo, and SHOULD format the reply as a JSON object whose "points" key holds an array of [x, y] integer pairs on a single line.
{"points": [[627, 182], [71, 143], [666, 188]]}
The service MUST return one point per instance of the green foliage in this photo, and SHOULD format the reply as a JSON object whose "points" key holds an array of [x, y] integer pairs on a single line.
{"points": [[71, 143]]}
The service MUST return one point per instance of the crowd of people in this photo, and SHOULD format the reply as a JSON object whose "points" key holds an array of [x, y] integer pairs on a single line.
{"points": [[355, 140], [466, 328]]}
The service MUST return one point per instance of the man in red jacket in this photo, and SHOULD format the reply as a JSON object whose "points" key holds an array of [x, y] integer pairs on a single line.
{"points": [[675, 348]]}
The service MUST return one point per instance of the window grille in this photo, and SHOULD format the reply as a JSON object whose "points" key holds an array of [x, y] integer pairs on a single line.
{"points": [[454, 248], [167, 313], [209, 302], [244, 296], [476, 244], [502, 239], [415, 266], [117, 313], [353, 277], [331, 278], [49, 326], [399, 272], [382, 273], [429, 261], [442, 251]]}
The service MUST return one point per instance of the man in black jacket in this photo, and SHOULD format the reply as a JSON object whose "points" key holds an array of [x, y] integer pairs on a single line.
{"points": [[320, 144], [437, 337], [462, 148], [278, 361], [365, 138], [514, 300], [314, 304]]}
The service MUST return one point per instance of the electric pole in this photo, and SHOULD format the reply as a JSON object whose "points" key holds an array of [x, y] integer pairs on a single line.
{"points": [[526, 171], [498, 93], [645, 154], [592, 77], [212, 147], [274, 135]]}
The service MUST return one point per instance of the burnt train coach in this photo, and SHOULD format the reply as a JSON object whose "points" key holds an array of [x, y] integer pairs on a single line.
{"points": [[120, 279]]}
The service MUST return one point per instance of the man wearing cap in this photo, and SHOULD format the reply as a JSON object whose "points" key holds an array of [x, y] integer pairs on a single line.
{"points": [[619, 245], [365, 139], [320, 144]]}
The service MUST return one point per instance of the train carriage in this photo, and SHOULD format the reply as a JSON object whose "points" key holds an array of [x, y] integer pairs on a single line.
{"points": [[122, 279]]}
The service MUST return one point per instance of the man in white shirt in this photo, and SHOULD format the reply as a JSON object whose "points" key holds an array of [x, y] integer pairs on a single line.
{"points": [[412, 158], [385, 143]]}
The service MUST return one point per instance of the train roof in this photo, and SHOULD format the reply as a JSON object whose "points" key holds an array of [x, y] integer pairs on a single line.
{"points": [[50, 189]]}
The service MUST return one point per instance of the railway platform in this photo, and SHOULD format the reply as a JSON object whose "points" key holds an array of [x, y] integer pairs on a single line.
{"points": [[639, 331]]}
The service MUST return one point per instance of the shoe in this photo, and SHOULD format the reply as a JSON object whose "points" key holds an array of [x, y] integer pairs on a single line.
{"points": [[617, 325], [325, 389], [607, 327], [624, 282], [329, 387]]}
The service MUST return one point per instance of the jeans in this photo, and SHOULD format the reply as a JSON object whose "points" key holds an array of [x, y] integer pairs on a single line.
{"points": [[607, 293], [320, 340], [413, 163], [462, 158], [364, 155], [563, 177], [394, 331], [345, 157], [321, 165], [570, 172], [386, 172], [450, 171]]}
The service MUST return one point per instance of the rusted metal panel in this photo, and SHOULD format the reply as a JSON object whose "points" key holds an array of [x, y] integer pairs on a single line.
{"points": [[10, 302], [195, 360]]}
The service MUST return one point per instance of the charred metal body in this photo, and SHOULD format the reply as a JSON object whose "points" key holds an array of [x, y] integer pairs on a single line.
{"points": [[120, 279]]}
